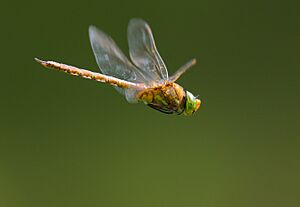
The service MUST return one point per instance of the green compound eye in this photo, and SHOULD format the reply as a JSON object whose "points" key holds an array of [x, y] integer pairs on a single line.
{"points": [[192, 104]]}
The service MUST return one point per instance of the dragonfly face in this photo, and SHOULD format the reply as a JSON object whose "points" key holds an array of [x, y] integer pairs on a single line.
{"points": [[143, 78], [192, 104]]}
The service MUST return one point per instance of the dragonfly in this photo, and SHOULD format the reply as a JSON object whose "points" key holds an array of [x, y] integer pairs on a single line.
{"points": [[144, 79]]}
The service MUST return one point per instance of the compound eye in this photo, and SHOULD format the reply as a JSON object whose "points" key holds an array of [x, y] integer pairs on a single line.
{"points": [[191, 103]]}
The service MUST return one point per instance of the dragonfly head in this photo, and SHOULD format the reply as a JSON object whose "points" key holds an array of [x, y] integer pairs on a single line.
{"points": [[192, 104]]}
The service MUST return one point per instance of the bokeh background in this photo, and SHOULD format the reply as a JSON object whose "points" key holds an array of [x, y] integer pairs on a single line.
{"points": [[65, 141]]}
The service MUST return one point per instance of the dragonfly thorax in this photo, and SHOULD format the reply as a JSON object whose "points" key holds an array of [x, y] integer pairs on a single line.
{"points": [[167, 98]]}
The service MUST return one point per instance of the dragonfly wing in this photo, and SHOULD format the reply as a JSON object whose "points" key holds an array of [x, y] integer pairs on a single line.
{"points": [[143, 52], [112, 61]]}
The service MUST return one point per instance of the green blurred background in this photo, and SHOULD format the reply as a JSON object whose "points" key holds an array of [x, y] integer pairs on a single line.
{"points": [[66, 141]]}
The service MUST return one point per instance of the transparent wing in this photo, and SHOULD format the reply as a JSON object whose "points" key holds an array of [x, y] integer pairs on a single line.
{"points": [[110, 58], [143, 52], [112, 61]]}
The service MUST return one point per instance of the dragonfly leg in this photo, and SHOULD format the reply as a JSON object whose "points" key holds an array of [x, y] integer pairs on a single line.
{"points": [[182, 69], [88, 74]]}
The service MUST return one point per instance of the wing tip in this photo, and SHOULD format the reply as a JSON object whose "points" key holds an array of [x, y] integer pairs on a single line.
{"points": [[91, 29], [136, 20]]}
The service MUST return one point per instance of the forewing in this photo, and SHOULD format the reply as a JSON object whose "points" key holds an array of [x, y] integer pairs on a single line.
{"points": [[111, 59], [143, 52]]}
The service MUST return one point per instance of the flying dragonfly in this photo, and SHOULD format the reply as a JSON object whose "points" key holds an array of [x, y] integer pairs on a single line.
{"points": [[145, 79]]}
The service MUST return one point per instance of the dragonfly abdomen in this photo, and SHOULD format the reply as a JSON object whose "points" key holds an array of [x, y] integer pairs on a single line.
{"points": [[89, 74]]}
